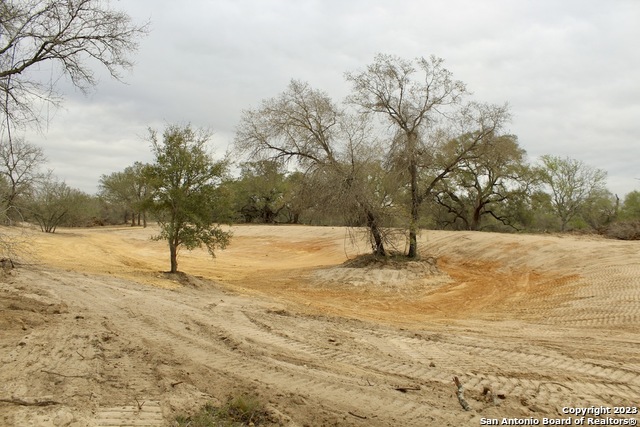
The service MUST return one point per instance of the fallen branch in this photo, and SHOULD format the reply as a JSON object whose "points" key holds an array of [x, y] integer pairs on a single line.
{"points": [[35, 402], [406, 389], [461, 399], [362, 417]]}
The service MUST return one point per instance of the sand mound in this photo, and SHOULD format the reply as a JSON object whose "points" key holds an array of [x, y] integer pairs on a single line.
{"points": [[392, 274]]}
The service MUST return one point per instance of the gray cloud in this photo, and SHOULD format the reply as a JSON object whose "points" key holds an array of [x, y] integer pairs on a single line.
{"points": [[568, 70]]}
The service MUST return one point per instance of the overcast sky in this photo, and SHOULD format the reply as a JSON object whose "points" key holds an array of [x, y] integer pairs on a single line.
{"points": [[570, 71]]}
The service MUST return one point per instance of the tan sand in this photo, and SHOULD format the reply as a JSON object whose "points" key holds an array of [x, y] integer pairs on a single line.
{"points": [[93, 333]]}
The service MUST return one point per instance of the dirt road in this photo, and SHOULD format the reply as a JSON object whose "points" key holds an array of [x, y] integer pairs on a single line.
{"points": [[95, 334]]}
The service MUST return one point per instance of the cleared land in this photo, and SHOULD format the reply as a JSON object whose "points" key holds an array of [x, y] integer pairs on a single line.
{"points": [[94, 334]]}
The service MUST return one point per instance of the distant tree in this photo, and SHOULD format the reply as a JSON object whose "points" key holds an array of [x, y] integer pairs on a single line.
{"points": [[627, 224], [70, 35], [570, 183], [599, 209], [631, 206], [129, 189], [261, 191], [20, 164], [483, 185], [184, 182], [53, 203], [84, 210], [298, 197], [115, 189], [414, 98]]}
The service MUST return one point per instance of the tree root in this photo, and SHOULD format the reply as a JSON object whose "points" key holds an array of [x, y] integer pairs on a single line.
{"points": [[35, 402]]}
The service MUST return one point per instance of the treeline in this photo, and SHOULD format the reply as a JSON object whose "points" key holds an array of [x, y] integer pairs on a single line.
{"points": [[496, 190]]}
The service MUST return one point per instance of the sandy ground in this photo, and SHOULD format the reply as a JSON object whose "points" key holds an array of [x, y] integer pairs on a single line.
{"points": [[92, 333]]}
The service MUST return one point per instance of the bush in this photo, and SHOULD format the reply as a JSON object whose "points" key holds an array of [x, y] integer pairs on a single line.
{"points": [[624, 230]]}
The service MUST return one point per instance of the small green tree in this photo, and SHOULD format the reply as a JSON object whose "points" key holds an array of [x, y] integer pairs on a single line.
{"points": [[184, 196]]}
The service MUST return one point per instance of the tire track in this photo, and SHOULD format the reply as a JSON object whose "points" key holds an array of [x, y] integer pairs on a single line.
{"points": [[317, 383], [313, 382], [410, 354], [147, 414], [321, 359]]}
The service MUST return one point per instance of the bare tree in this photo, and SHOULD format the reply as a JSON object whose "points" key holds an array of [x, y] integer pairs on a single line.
{"points": [[20, 163], [303, 125], [70, 35], [387, 87], [417, 99], [50, 203]]}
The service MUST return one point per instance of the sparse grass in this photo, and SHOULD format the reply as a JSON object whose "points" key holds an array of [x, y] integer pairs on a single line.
{"points": [[237, 412]]}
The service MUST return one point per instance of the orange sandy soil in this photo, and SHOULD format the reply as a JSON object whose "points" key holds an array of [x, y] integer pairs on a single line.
{"points": [[93, 333]]}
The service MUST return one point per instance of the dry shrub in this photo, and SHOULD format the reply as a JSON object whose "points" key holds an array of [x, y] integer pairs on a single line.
{"points": [[239, 411], [624, 230]]}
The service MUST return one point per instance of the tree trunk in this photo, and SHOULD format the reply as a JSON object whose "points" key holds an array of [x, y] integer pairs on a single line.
{"points": [[173, 250], [415, 203], [413, 237], [475, 221], [378, 248], [144, 219]]}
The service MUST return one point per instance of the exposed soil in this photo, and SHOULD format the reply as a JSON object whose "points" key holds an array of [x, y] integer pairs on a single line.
{"points": [[93, 333]]}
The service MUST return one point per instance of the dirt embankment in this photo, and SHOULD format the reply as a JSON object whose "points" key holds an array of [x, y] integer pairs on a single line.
{"points": [[94, 334]]}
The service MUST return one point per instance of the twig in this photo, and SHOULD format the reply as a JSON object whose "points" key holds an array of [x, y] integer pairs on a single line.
{"points": [[66, 376], [176, 383], [362, 417], [36, 402], [140, 405], [461, 399], [79, 354]]}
